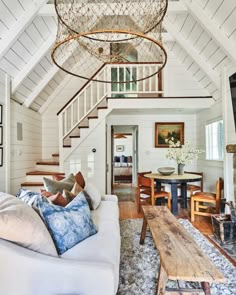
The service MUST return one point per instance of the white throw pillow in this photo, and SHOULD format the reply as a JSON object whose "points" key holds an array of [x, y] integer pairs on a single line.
{"points": [[19, 223], [94, 194]]}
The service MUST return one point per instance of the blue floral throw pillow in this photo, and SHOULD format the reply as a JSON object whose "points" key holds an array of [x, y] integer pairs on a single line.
{"points": [[30, 198], [68, 225]]}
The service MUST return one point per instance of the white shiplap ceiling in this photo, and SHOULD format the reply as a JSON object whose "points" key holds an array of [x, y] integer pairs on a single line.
{"points": [[203, 38]]}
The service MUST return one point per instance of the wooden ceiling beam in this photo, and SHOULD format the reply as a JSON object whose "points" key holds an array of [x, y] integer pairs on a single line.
{"points": [[212, 29], [33, 62], [19, 27], [187, 46]]}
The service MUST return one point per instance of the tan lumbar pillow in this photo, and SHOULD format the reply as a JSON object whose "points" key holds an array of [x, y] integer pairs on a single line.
{"points": [[19, 223]]}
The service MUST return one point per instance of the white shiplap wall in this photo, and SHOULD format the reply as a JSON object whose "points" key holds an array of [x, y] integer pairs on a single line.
{"points": [[25, 153], [2, 99], [63, 93], [212, 169], [149, 157]]}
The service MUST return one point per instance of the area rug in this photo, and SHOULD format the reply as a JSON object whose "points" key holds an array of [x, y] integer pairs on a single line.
{"points": [[230, 249], [140, 263]]}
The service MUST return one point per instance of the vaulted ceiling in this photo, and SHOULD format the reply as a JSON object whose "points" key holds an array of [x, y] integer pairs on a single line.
{"points": [[200, 33]]}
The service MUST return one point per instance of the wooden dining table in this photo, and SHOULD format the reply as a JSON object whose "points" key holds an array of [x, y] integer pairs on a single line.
{"points": [[174, 180]]}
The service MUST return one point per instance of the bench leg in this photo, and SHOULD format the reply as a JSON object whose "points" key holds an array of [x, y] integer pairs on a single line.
{"points": [[162, 279], [206, 288], [143, 232]]}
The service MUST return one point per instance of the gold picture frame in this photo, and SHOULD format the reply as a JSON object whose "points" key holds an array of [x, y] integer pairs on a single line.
{"points": [[167, 130]]}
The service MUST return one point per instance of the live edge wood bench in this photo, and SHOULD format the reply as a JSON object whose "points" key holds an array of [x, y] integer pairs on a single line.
{"points": [[180, 257]]}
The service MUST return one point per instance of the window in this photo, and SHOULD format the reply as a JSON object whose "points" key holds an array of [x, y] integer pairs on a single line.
{"points": [[215, 140]]}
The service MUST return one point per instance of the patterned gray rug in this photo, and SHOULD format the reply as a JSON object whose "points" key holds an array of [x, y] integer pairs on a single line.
{"points": [[140, 263]]}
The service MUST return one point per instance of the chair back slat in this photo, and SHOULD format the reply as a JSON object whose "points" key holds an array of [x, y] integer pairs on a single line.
{"points": [[219, 191], [197, 173]]}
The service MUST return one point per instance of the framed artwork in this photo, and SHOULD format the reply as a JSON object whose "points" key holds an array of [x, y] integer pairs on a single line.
{"points": [[164, 131], [1, 156], [1, 135], [1, 114], [119, 148]]}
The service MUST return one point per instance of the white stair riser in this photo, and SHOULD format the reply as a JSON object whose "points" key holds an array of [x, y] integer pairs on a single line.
{"points": [[51, 168], [36, 178]]}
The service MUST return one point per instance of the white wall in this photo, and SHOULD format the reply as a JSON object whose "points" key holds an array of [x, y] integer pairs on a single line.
{"points": [[149, 157], [127, 144], [2, 96], [25, 153], [212, 169], [178, 81], [50, 131], [91, 164]]}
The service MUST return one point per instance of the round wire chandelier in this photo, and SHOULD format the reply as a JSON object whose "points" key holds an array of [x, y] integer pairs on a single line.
{"points": [[81, 16], [92, 33], [82, 57]]}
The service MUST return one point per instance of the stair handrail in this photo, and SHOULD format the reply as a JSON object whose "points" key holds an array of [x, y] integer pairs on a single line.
{"points": [[91, 94], [81, 89], [97, 72]]}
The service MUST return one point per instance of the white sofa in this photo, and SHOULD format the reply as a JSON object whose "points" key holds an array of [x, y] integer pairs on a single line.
{"points": [[89, 268]]}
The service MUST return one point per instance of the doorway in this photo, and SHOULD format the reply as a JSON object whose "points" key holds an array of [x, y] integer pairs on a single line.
{"points": [[124, 161]]}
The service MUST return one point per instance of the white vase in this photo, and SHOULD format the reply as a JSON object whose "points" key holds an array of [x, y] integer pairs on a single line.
{"points": [[181, 169]]}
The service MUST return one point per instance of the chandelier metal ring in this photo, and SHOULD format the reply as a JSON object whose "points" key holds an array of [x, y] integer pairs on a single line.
{"points": [[57, 52]]}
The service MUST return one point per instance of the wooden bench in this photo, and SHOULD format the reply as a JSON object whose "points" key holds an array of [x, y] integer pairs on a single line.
{"points": [[180, 257]]}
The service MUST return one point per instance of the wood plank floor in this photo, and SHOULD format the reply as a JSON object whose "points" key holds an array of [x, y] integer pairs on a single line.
{"points": [[128, 210]]}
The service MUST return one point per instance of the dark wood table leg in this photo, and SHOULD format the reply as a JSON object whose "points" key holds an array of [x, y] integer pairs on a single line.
{"points": [[174, 196], [206, 288], [143, 232], [184, 195]]}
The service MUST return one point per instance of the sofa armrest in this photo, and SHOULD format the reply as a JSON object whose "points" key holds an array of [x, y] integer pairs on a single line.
{"points": [[112, 198], [25, 272]]}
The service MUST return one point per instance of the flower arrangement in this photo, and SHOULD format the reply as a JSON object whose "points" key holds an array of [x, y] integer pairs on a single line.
{"points": [[183, 154]]}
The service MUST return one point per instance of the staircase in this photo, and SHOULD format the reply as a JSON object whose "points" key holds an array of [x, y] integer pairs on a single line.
{"points": [[34, 179], [89, 105], [84, 106]]}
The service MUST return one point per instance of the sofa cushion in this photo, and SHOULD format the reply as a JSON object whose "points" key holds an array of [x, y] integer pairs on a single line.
{"points": [[54, 186], [94, 195], [29, 197], [104, 247], [19, 223], [68, 225]]}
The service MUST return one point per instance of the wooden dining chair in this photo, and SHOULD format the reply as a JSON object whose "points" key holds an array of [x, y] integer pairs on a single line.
{"points": [[192, 188], [207, 203], [147, 193]]}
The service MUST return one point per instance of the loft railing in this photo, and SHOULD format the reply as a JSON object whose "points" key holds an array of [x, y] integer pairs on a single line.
{"points": [[91, 95]]}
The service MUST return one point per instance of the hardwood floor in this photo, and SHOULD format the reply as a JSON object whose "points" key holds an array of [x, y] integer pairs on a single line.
{"points": [[128, 210]]}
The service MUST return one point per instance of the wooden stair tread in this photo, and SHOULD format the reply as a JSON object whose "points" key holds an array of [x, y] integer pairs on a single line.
{"points": [[47, 163], [92, 117], [44, 173], [32, 184], [67, 146], [74, 136], [55, 155], [83, 127], [101, 108]]}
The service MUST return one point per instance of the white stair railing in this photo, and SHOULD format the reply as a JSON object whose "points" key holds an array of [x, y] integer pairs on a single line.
{"points": [[93, 93]]}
